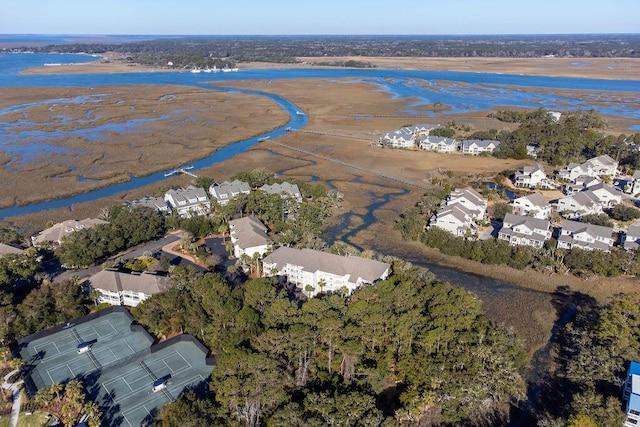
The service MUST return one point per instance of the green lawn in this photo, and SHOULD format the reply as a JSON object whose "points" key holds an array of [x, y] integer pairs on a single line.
{"points": [[37, 419]]}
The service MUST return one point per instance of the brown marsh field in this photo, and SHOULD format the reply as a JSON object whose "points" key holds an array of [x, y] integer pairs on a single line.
{"points": [[336, 150]]}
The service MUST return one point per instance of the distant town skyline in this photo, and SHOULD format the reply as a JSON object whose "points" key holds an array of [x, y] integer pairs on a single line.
{"points": [[283, 17]]}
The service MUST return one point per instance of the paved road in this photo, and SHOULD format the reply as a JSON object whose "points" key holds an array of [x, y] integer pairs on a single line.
{"points": [[15, 391]]}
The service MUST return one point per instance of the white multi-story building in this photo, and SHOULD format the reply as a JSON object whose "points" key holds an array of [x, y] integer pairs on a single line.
{"points": [[439, 144], [534, 205], [188, 202], [470, 199], [284, 190], [579, 204], [585, 236], [524, 230], [315, 271], [227, 191], [597, 167], [478, 146], [631, 395], [249, 237], [531, 177], [120, 288]]}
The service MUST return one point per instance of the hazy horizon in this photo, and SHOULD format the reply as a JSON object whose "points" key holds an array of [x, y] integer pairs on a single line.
{"points": [[332, 17]]}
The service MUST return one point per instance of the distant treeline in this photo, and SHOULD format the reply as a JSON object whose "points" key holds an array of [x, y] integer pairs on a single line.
{"points": [[188, 50]]}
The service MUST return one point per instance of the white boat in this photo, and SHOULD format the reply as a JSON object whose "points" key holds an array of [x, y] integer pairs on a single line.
{"points": [[208, 70], [300, 113], [195, 70], [264, 138]]}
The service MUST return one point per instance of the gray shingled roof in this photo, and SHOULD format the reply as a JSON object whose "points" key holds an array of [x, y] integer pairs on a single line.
{"points": [[249, 232], [7, 249], [63, 229], [536, 199], [157, 203], [230, 189], [532, 223], [285, 188], [484, 143], [310, 260], [595, 230], [118, 281]]}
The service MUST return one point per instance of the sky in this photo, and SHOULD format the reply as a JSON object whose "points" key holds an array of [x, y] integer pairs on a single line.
{"points": [[270, 17]]}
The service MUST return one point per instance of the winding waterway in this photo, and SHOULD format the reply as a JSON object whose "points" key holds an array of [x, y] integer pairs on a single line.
{"points": [[462, 92]]}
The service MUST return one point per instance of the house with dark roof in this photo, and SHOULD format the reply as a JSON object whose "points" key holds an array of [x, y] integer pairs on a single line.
{"points": [[188, 202], [524, 230], [316, 271], [249, 237], [117, 287], [478, 146], [59, 231], [227, 191], [585, 236], [583, 182]]}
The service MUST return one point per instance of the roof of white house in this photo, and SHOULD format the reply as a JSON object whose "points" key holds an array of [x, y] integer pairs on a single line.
{"points": [[189, 195], [284, 188], [118, 281], [249, 232], [470, 194], [634, 229], [636, 174], [229, 188], [63, 229], [459, 211], [157, 203], [513, 220], [399, 133], [8, 249], [536, 199], [439, 140], [484, 143], [310, 260], [584, 198], [422, 128], [579, 227], [605, 160]]}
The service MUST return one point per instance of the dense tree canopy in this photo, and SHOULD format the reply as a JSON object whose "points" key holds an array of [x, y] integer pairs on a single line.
{"points": [[127, 227], [332, 359]]}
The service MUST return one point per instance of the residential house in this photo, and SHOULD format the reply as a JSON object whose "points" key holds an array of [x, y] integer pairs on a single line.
{"points": [[188, 202], [249, 237], [57, 232], [580, 183], [631, 395], [579, 204], [401, 138], [631, 239], [120, 288], [574, 234], [156, 203], [524, 230], [422, 130], [533, 150], [227, 191], [597, 167], [478, 146], [533, 205], [607, 195], [315, 271], [439, 144], [531, 177], [456, 219], [8, 249], [470, 199], [285, 190]]}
